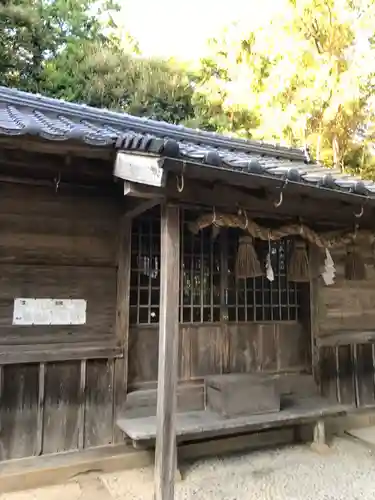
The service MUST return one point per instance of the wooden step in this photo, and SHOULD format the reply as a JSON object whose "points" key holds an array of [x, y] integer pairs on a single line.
{"points": [[142, 403]]}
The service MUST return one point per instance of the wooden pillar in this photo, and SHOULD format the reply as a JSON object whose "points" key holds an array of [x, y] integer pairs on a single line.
{"points": [[314, 313], [122, 322], [319, 433], [319, 443], [165, 453]]}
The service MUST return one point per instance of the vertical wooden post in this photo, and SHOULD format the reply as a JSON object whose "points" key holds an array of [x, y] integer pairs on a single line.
{"points": [[319, 433], [225, 351], [165, 453], [314, 312], [122, 322]]}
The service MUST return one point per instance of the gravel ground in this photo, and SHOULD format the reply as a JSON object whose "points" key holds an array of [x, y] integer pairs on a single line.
{"points": [[347, 472]]}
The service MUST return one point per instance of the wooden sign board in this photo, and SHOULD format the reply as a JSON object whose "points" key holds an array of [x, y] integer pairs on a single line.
{"points": [[49, 312], [141, 169]]}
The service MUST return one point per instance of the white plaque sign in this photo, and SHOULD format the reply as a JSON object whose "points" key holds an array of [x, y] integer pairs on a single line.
{"points": [[139, 169], [49, 312]]}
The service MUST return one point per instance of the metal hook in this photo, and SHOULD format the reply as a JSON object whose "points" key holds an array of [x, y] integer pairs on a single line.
{"points": [[180, 183], [57, 182], [277, 204], [358, 216], [214, 216]]}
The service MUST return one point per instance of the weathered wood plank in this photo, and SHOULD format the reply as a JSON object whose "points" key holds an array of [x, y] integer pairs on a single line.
{"points": [[42, 227], [142, 403], [58, 282], [365, 375], [327, 371], [61, 409], [40, 416], [82, 405], [143, 354], [346, 375], [165, 453], [346, 337], [206, 350], [19, 411], [43, 353], [268, 335], [121, 367], [99, 412], [196, 425], [292, 345], [224, 345], [314, 310], [244, 352]]}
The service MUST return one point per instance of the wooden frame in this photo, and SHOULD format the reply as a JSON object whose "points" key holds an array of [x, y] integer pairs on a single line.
{"points": [[207, 267], [165, 453]]}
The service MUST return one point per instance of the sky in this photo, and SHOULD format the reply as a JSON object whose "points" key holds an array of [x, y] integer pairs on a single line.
{"points": [[170, 28]]}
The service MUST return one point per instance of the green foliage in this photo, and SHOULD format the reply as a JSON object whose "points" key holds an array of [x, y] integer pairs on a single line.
{"points": [[304, 73], [70, 49]]}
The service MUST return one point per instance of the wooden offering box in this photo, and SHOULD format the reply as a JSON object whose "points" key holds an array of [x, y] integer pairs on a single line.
{"points": [[235, 395]]}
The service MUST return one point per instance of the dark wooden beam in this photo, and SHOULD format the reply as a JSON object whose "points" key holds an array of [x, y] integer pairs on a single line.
{"points": [[165, 453], [258, 203], [137, 207], [293, 206], [122, 318], [133, 189]]}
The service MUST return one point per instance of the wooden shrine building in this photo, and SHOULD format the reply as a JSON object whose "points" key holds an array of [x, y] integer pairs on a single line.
{"points": [[236, 276]]}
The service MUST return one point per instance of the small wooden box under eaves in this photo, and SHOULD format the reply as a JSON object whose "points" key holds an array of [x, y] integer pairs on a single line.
{"points": [[236, 395]]}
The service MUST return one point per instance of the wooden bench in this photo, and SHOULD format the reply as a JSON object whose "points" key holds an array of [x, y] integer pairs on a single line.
{"points": [[194, 425], [300, 405]]}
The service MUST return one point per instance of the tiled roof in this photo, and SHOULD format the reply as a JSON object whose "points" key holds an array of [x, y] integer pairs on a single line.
{"points": [[27, 114]]}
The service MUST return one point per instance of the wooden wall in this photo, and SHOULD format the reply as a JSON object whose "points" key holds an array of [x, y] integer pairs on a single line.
{"points": [[58, 383], [213, 349], [345, 336], [54, 407]]}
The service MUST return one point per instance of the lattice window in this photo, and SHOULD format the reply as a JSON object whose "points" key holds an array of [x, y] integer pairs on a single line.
{"points": [[145, 269], [209, 290], [258, 299], [199, 275]]}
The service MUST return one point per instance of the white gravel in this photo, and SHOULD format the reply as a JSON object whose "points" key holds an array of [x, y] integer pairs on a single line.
{"points": [[293, 473]]}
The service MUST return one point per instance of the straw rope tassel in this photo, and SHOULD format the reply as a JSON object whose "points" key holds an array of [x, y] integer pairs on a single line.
{"points": [[247, 262], [298, 268]]}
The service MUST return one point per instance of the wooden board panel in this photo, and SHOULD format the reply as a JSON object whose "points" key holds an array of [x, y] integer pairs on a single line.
{"points": [[267, 340], [347, 305], [61, 408], [96, 285], [143, 354], [293, 346], [99, 403], [346, 375], [195, 425], [206, 350], [203, 349], [19, 411], [327, 373], [41, 226], [244, 349], [365, 375]]}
